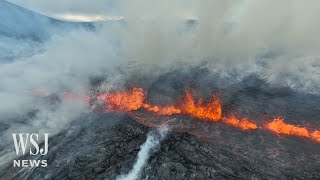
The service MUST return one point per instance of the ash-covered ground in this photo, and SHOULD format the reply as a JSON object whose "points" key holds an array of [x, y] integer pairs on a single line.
{"points": [[106, 145], [260, 58]]}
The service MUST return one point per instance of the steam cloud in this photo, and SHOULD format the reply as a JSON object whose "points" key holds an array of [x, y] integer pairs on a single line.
{"points": [[153, 141], [277, 41]]}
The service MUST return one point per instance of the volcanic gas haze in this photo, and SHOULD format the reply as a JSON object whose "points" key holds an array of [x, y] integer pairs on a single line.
{"points": [[236, 82]]}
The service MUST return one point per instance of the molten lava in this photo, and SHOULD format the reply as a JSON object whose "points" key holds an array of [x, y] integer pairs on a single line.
{"points": [[280, 127], [166, 110], [315, 135], [122, 101], [243, 124], [134, 100], [210, 111]]}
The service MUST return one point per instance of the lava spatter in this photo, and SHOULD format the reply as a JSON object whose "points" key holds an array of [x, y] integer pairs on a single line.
{"points": [[122, 101], [209, 110]]}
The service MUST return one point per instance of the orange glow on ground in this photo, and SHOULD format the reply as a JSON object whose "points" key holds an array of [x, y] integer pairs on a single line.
{"points": [[280, 127], [209, 110], [243, 124]]}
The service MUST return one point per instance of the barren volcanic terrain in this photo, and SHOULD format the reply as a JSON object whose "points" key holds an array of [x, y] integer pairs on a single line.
{"points": [[104, 144], [156, 89]]}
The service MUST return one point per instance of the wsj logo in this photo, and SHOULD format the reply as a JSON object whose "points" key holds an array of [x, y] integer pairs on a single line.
{"points": [[22, 142]]}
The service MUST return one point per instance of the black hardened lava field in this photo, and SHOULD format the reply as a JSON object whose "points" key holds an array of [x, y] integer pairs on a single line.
{"points": [[159, 90]]}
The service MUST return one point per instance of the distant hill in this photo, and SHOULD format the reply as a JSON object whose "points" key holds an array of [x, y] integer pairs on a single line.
{"points": [[22, 31], [19, 22]]}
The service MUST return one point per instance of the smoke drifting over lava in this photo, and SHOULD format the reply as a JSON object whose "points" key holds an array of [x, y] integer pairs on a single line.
{"points": [[249, 65]]}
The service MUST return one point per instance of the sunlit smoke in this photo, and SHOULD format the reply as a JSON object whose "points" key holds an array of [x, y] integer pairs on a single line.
{"points": [[274, 40], [86, 18], [239, 10]]}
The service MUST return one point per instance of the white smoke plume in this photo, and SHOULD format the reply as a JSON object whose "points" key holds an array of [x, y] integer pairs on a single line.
{"points": [[153, 141], [277, 40]]}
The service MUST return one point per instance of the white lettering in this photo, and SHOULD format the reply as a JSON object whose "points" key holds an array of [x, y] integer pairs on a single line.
{"points": [[34, 143], [21, 144]]}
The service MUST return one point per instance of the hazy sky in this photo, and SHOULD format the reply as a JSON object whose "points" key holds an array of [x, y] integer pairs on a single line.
{"points": [[159, 39], [69, 9], [66, 6], [91, 10]]}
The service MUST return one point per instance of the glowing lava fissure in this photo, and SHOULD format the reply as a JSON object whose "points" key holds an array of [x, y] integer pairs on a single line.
{"points": [[280, 127], [122, 101], [210, 110], [243, 124], [135, 99]]}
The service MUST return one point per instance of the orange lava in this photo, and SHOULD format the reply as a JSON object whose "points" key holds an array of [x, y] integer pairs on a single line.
{"points": [[134, 100], [243, 124], [315, 135], [166, 110], [209, 111], [122, 101], [280, 127]]}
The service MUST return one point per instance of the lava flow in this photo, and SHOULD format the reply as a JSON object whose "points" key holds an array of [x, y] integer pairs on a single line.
{"points": [[278, 126], [243, 124], [134, 100], [209, 110]]}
